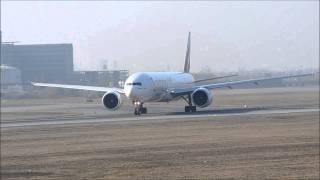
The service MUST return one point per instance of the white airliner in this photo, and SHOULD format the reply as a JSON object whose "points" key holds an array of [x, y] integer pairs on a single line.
{"points": [[146, 87]]}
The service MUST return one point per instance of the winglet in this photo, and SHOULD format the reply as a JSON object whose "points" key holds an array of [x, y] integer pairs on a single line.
{"points": [[187, 59]]}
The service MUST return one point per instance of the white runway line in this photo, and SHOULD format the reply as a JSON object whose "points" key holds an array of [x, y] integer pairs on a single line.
{"points": [[165, 117]]}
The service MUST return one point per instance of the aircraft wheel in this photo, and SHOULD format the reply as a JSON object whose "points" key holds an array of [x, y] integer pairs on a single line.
{"points": [[137, 112], [186, 109], [193, 108], [143, 110], [190, 109]]}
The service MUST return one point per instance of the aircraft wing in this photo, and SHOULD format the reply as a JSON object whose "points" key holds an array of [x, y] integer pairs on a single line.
{"points": [[214, 78], [79, 87], [183, 91]]}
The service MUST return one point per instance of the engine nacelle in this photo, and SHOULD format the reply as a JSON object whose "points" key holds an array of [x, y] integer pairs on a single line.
{"points": [[112, 100], [202, 97]]}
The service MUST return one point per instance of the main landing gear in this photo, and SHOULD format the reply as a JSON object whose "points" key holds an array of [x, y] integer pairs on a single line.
{"points": [[189, 108], [139, 109]]}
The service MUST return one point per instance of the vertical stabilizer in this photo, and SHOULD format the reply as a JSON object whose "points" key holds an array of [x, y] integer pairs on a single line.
{"points": [[187, 60]]}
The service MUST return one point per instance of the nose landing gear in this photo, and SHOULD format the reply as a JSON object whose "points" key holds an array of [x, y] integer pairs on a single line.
{"points": [[189, 108], [139, 109]]}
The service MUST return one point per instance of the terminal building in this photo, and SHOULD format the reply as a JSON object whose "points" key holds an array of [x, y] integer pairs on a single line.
{"points": [[40, 62], [10, 80], [53, 63], [108, 78]]}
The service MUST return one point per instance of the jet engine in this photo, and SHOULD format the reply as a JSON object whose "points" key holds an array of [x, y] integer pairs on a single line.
{"points": [[202, 97], [112, 100]]}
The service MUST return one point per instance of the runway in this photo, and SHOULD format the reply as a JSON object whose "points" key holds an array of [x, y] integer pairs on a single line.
{"points": [[160, 117], [244, 134]]}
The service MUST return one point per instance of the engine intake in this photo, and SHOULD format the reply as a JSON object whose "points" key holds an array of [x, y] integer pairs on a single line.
{"points": [[112, 100], [202, 97]]}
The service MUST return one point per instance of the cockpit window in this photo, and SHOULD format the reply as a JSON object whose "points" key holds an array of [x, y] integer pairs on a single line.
{"points": [[134, 84]]}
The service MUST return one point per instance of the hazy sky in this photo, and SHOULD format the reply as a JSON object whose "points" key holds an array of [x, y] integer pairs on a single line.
{"points": [[152, 36]]}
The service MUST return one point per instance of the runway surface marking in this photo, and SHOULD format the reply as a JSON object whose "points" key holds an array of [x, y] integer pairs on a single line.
{"points": [[160, 117]]}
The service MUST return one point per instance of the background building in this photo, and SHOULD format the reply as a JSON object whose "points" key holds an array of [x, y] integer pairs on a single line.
{"points": [[53, 63], [10, 80], [109, 78], [40, 62]]}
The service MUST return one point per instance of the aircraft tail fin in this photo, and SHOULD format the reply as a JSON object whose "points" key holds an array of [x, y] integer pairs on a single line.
{"points": [[187, 59]]}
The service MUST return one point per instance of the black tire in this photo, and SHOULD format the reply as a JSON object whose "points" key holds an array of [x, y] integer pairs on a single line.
{"points": [[186, 109], [193, 109], [143, 110], [139, 111]]}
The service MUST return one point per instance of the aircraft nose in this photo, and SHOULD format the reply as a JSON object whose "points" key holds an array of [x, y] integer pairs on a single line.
{"points": [[130, 93], [136, 86]]}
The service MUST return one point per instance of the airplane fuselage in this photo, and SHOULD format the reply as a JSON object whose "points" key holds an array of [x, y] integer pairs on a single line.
{"points": [[155, 86]]}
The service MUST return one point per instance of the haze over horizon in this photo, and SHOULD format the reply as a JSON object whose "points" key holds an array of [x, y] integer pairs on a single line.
{"points": [[152, 36]]}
